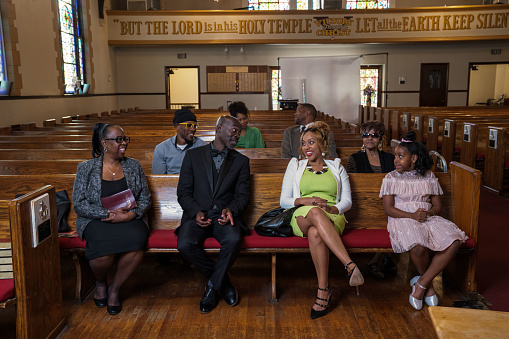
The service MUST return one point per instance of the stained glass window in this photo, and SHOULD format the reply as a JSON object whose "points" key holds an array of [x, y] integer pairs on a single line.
{"points": [[71, 40], [269, 5], [275, 89], [303, 4], [369, 85], [367, 4], [3, 72]]}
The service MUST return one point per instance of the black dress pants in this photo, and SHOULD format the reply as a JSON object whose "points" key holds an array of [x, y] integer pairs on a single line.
{"points": [[190, 245]]}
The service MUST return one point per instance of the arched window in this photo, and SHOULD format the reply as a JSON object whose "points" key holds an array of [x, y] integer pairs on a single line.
{"points": [[3, 72], [71, 43], [367, 4]]}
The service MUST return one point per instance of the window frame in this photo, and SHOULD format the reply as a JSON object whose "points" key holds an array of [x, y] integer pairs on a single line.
{"points": [[3, 74], [78, 34]]}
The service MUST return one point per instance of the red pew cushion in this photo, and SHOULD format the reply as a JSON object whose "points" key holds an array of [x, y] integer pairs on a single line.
{"points": [[354, 238], [6, 289]]}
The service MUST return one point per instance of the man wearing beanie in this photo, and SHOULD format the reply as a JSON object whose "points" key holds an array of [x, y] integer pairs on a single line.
{"points": [[169, 154]]}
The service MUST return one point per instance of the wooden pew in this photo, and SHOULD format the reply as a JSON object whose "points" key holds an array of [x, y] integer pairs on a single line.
{"points": [[366, 215], [37, 276]]}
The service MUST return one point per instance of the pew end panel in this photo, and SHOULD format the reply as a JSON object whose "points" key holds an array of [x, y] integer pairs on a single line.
{"points": [[37, 274], [465, 191]]}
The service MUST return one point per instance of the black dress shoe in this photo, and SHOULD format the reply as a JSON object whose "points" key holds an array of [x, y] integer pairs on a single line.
{"points": [[114, 310], [230, 294], [390, 267], [101, 302], [209, 300]]}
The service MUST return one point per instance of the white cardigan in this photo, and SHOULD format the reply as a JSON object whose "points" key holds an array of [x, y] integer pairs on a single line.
{"points": [[291, 184]]}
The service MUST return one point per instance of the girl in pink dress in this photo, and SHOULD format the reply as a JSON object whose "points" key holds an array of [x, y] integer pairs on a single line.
{"points": [[411, 198]]}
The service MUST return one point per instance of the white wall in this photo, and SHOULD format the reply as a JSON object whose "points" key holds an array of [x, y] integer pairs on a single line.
{"points": [[141, 69], [36, 46]]}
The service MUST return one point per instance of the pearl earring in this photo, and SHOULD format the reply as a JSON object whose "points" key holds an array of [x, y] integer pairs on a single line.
{"points": [[105, 149]]}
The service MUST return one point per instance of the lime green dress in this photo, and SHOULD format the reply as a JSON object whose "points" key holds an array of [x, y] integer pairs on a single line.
{"points": [[319, 185]]}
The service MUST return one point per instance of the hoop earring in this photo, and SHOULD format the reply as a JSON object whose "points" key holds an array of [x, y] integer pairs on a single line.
{"points": [[363, 148]]}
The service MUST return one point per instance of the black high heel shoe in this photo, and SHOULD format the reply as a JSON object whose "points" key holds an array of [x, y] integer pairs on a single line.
{"points": [[317, 314], [101, 302], [355, 276]]}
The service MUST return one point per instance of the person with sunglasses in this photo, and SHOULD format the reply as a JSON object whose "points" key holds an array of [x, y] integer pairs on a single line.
{"points": [[168, 155], [113, 234], [372, 159], [250, 137]]}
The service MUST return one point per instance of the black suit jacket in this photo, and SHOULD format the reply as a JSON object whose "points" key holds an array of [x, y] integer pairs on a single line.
{"points": [[195, 190]]}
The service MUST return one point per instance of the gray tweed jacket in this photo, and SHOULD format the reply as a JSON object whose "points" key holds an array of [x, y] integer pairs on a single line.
{"points": [[86, 195]]}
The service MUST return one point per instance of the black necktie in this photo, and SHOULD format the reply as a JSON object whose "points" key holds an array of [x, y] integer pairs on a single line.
{"points": [[302, 128]]}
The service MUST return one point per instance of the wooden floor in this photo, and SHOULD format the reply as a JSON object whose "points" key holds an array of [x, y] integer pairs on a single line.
{"points": [[161, 301]]}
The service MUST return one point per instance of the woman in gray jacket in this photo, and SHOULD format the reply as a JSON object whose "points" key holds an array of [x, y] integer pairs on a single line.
{"points": [[115, 232]]}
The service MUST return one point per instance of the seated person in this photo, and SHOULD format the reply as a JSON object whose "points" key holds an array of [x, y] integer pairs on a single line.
{"points": [[250, 137], [322, 190], [168, 155], [118, 235], [305, 115], [372, 159]]}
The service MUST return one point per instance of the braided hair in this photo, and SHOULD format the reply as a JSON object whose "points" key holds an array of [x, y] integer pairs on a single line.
{"points": [[424, 161]]}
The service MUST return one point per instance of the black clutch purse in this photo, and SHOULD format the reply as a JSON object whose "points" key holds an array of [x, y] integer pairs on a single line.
{"points": [[275, 223]]}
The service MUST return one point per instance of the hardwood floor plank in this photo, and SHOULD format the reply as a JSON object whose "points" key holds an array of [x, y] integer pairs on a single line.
{"points": [[161, 301]]}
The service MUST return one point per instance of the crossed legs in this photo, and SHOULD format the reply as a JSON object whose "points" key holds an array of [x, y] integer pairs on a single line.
{"points": [[322, 237], [427, 270]]}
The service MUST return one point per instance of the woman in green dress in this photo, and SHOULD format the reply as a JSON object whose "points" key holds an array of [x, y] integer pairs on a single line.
{"points": [[322, 190], [250, 137]]}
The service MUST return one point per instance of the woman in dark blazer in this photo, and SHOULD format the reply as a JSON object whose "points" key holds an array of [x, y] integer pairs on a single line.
{"points": [[372, 159], [121, 232]]}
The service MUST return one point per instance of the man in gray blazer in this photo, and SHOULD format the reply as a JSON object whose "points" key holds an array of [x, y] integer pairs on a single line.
{"points": [[304, 116]]}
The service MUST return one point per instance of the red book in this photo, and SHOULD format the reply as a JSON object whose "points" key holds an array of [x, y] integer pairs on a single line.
{"points": [[119, 200]]}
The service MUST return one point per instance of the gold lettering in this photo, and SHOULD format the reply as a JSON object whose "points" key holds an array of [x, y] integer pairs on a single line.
{"points": [[447, 24], [436, 23], [148, 24], [308, 26], [130, 27]]}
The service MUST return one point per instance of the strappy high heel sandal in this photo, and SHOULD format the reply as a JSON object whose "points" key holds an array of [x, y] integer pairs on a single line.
{"points": [[355, 276], [317, 314]]}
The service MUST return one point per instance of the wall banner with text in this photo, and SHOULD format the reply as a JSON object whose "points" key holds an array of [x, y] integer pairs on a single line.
{"points": [[265, 27]]}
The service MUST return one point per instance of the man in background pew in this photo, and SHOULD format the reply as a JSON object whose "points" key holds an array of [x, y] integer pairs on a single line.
{"points": [[305, 115], [168, 155], [213, 190]]}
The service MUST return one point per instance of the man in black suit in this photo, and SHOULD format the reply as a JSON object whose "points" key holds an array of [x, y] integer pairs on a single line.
{"points": [[304, 116], [213, 190]]}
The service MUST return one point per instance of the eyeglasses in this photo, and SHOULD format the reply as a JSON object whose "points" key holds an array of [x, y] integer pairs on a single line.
{"points": [[119, 139], [373, 135], [189, 125]]}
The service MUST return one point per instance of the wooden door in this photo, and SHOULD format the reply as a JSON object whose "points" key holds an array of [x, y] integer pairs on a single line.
{"points": [[434, 84]]}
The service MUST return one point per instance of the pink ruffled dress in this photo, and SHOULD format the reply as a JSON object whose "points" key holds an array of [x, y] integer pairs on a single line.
{"points": [[412, 191]]}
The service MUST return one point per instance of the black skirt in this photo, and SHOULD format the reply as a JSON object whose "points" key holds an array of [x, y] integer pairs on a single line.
{"points": [[106, 238]]}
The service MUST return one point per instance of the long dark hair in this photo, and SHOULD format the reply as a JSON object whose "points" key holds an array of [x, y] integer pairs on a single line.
{"points": [[424, 161], [100, 130]]}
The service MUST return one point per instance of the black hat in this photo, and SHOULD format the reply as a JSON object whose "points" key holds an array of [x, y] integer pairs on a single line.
{"points": [[183, 115]]}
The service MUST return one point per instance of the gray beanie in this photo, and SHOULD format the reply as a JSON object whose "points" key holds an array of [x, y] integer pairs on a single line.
{"points": [[183, 115]]}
